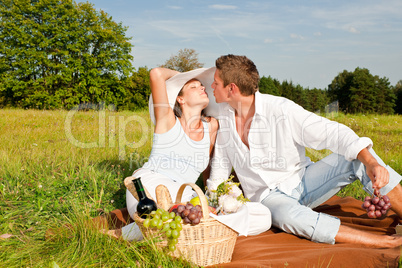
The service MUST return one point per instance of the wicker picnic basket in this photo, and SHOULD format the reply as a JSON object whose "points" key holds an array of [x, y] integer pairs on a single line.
{"points": [[207, 243]]}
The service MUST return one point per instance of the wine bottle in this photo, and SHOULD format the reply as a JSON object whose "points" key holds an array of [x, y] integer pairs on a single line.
{"points": [[145, 205]]}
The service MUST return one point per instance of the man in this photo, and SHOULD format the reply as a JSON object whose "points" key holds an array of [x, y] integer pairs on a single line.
{"points": [[263, 137]]}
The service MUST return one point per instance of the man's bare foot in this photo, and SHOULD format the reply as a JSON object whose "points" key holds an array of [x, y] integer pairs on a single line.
{"points": [[353, 236], [395, 240]]}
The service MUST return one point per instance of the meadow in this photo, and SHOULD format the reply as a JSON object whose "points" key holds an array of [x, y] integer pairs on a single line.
{"points": [[61, 168]]}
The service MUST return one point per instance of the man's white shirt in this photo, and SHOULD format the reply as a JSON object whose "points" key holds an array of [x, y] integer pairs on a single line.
{"points": [[280, 131]]}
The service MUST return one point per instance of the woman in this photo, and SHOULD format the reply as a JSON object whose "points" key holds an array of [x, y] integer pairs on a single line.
{"points": [[183, 139]]}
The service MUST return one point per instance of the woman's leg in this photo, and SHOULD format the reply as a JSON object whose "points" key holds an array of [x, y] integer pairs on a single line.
{"points": [[259, 218]]}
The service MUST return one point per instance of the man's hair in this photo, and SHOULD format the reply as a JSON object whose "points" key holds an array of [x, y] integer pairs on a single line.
{"points": [[239, 70]]}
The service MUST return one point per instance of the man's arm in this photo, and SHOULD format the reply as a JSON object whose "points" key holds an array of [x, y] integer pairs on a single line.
{"points": [[378, 174], [317, 132]]}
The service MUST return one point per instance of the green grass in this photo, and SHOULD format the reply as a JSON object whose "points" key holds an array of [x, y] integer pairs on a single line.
{"points": [[61, 167], [48, 179]]}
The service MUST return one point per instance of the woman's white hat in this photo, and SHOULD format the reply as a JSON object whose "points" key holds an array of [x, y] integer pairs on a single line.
{"points": [[176, 83]]}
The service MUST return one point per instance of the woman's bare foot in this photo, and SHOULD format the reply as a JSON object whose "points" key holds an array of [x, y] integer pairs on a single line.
{"points": [[116, 233]]}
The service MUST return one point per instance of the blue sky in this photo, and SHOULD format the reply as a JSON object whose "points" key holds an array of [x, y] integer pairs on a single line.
{"points": [[307, 42]]}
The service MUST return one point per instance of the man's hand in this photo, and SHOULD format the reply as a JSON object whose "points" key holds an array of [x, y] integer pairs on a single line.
{"points": [[378, 174]]}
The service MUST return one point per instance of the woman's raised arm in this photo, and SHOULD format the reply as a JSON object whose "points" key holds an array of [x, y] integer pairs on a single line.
{"points": [[164, 116]]}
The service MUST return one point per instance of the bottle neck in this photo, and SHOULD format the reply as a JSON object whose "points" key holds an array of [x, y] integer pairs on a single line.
{"points": [[139, 188]]}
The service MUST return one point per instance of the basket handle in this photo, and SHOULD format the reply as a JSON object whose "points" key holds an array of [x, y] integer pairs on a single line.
{"points": [[200, 193]]}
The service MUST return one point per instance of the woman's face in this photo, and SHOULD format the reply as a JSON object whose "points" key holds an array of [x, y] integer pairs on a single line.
{"points": [[194, 93]]}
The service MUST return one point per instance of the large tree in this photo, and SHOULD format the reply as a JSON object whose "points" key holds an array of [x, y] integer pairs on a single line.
{"points": [[361, 92], [57, 53], [138, 90], [398, 93], [185, 60]]}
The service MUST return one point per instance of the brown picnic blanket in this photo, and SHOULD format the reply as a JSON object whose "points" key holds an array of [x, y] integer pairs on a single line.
{"points": [[276, 248]]}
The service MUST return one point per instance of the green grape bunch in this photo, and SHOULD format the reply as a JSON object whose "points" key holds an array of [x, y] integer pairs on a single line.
{"points": [[168, 223]]}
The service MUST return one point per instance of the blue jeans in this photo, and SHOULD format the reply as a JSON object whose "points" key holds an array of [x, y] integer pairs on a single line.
{"points": [[321, 181]]}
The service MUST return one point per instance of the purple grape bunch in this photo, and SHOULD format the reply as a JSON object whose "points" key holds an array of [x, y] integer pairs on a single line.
{"points": [[376, 205], [189, 213]]}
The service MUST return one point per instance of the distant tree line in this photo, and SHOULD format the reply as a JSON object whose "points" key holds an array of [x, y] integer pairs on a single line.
{"points": [[56, 54], [356, 92], [314, 100]]}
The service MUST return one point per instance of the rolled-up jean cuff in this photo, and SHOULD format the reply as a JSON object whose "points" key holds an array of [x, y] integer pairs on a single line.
{"points": [[326, 229]]}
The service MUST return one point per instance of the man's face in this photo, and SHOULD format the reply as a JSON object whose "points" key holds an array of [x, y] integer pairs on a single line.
{"points": [[220, 92]]}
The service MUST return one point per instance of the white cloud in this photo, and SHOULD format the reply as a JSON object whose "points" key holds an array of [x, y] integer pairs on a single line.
{"points": [[223, 7], [317, 34], [352, 29], [175, 28], [175, 7], [367, 16], [268, 41], [296, 36]]}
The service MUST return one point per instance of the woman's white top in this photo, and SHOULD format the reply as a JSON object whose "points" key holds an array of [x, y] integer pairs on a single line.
{"points": [[177, 156]]}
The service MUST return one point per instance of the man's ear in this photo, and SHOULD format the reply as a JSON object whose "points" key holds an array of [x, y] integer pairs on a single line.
{"points": [[230, 89], [234, 88]]}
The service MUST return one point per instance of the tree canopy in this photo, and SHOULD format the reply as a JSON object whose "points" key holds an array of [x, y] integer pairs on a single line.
{"points": [[185, 60], [56, 54], [138, 90], [313, 100], [398, 94], [361, 92]]}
